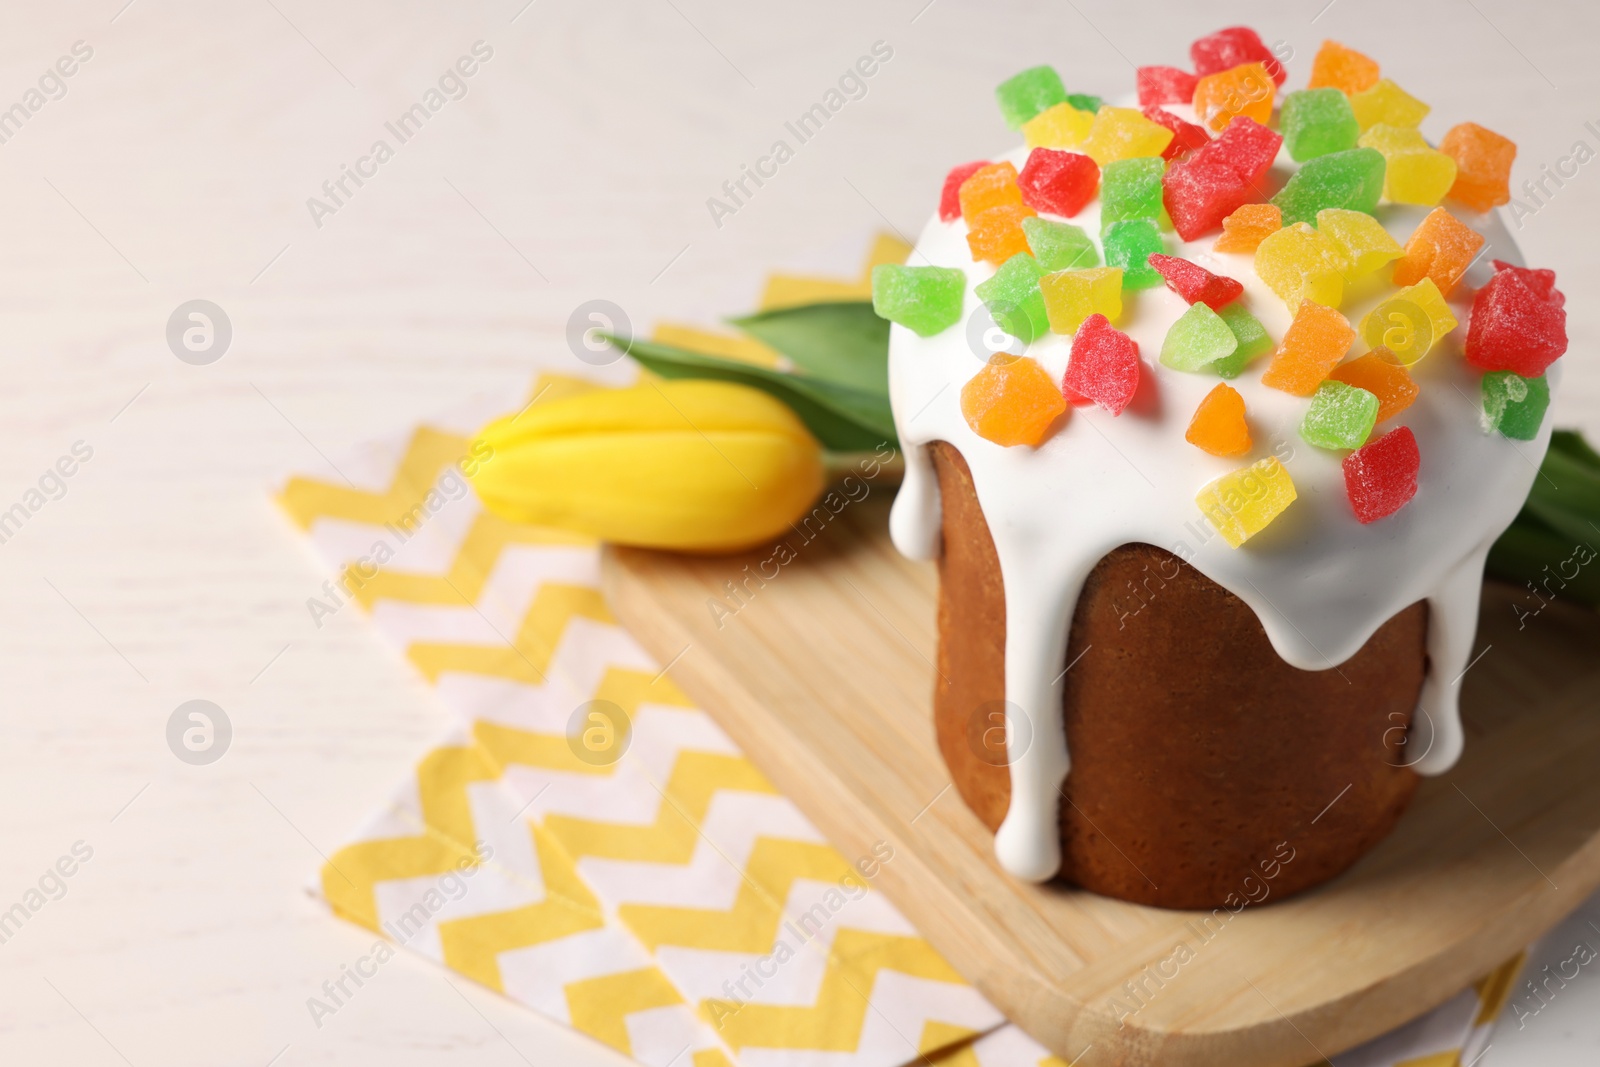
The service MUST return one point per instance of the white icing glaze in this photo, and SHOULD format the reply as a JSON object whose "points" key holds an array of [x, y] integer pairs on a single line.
{"points": [[1320, 582]]}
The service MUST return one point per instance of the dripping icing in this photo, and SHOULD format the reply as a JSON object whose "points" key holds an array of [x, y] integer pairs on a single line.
{"points": [[1100, 482]]}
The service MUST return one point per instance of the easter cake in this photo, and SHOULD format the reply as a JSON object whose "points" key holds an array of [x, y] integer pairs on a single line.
{"points": [[1212, 408]]}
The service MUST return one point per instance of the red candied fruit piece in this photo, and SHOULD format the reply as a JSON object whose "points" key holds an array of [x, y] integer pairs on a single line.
{"points": [[1541, 281], [950, 198], [1058, 182], [1231, 47], [1219, 177], [1518, 322], [1196, 284], [1165, 85], [1381, 476], [1186, 136], [1103, 366]]}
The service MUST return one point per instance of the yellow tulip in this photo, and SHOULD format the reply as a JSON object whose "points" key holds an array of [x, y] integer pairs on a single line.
{"points": [[688, 465]]}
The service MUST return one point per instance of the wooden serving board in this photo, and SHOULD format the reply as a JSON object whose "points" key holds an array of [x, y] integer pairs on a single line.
{"points": [[824, 675]]}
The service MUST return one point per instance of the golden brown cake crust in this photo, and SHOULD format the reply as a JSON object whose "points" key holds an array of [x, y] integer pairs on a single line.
{"points": [[1204, 767]]}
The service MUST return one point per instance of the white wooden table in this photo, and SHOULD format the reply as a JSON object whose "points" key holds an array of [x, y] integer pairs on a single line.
{"points": [[176, 164]]}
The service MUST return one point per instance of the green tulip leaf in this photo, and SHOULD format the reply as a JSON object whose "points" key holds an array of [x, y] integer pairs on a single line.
{"points": [[842, 419], [845, 342], [1562, 512]]}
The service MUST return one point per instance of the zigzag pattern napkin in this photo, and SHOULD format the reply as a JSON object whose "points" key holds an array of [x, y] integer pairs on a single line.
{"points": [[670, 904]]}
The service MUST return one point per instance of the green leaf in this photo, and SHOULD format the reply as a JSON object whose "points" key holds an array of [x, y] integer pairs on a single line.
{"points": [[846, 342], [841, 418]]}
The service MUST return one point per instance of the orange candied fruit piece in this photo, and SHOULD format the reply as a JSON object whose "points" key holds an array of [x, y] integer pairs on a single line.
{"points": [[1442, 247], [996, 234], [1243, 90], [1483, 165], [987, 187], [1312, 346], [1338, 67], [1012, 401], [1218, 425], [1248, 226], [1380, 373]]}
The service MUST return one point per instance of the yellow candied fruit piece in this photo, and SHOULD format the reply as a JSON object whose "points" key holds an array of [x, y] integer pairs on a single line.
{"points": [[1070, 296], [1386, 102], [1409, 323], [1124, 133], [1242, 503], [1414, 171], [1061, 126], [1298, 263], [1366, 246]]}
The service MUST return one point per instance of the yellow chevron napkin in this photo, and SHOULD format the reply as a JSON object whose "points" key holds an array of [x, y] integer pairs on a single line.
{"points": [[669, 902]]}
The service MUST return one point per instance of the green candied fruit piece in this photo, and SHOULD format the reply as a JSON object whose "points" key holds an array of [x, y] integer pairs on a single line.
{"points": [[1340, 416], [924, 299], [1060, 245], [1254, 341], [1129, 245], [1131, 189], [1024, 95], [1514, 405], [1013, 298], [1085, 102], [1351, 179], [1197, 340], [1317, 122]]}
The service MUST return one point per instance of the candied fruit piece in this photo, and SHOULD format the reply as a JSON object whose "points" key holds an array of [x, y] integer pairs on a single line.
{"points": [[1518, 322], [1058, 182], [1071, 296], [1103, 366], [1300, 263], [1379, 374], [1012, 401], [1131, 189], [991, 185], [1204, 188], [1351, 179], [1219, 425], [1442, 247], [1338, 67], [1254, 341], [1380, 477], [1244, 90], [950, 197], [1242, 503], [1248, 226], [1414, 171], [1386, 102], [1024, 95], [1312, 346], [1062, 126], [1230, 47], [1060, 245], [1129, 244], [1186, 136], [1315, 122], [1340, 416], [1164, 85], [1363, 242], [1409, 323], [1013, 298], [996, 234], [1124, 133], [1196, 284], [923, 299], [1514, 405], [1085, 102], [1198, 339], [1483, 165]]}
